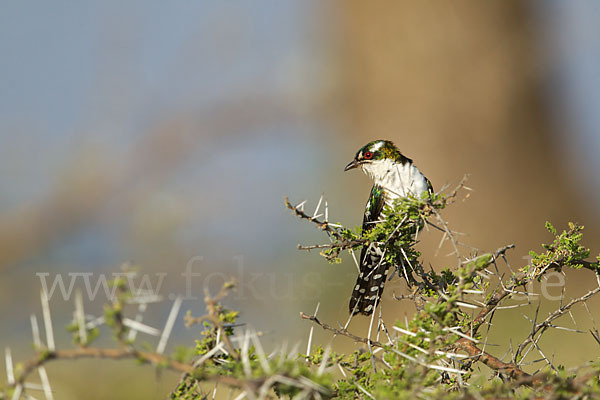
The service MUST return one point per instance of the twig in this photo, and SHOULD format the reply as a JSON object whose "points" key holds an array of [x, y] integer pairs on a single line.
{"points": [[324, 225], [540, 327], [94, 352], [492, 362], [342, 332]]}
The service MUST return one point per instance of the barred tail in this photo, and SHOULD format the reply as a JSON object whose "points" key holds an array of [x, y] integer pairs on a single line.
{"points": [[369, 285]]}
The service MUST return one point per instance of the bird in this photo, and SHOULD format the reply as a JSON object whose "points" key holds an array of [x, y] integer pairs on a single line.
{"points": [[394, 176]]}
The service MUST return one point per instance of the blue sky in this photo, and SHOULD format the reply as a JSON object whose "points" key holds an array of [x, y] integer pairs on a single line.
{"points": [[103, 72]]}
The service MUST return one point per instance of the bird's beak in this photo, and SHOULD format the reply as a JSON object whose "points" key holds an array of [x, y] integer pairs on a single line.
{"points": [[353, 164]]}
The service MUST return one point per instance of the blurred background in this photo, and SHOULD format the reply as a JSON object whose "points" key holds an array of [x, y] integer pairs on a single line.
{"points": [[168, 135]]}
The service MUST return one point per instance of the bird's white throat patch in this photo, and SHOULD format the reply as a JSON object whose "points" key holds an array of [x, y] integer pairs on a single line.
{"points": [[398, 179], [378, 169]]}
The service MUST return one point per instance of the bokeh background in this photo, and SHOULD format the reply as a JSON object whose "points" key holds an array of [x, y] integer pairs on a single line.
{"points": [[158, 133]]}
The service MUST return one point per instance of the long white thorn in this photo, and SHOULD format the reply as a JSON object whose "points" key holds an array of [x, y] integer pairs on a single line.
{"points": [[45, 383], [310, 334], [136, 326], [241, 396], [10, 373], [324, 361], [245, 355], [47, 321], [35, 330], [318, 206], [96, 322], [33, 386], [80, 317], [138, 318], [442, 240], [282, 354], [471, 291], [17, 393], [459, 333], [261, 353], [294, 352], [355, 260], [513, 306], [406, 332], [162, 344], [467, 305], [300, 206], [432, 366], [362, 389], [208, 355], [350, 317]]}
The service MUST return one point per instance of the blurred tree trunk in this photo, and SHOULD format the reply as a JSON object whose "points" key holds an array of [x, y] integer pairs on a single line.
{"points": [[458, 87]]}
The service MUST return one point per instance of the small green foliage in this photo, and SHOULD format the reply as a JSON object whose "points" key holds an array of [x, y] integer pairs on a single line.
{"points": [[564, 251], [347, 239], [44, 355], [91, 334], [188, 389]]}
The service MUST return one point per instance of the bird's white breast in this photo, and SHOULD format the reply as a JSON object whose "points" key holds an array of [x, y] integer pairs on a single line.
{"points": [[397, 179]]}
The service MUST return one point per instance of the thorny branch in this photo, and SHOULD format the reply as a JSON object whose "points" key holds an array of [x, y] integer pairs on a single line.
{"points": [[95, 352], [144, 357], [503, 292], [467, 343], [332, 230], [223, 354], [494, 363], [539, 328], [343, 332], [212, 306]]}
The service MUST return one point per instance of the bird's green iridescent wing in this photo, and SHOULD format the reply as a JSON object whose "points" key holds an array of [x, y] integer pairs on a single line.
{"points": [[429, 186], [372, 269], [373, 209]]}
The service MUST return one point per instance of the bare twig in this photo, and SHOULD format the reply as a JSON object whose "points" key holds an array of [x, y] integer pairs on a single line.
{"points": [[94, 352], [342, 332], [326, 226], [545, 324], [492, 362]]}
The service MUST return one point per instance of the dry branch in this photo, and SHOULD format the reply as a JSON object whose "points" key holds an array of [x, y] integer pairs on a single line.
{"points": [[342, 332], [94, 352]]}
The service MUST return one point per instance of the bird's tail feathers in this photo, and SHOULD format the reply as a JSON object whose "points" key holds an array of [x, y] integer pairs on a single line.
{"points": [[371, 280]]}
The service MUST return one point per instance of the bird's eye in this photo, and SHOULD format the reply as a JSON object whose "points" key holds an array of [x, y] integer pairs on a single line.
{"points": [[368, 155]]}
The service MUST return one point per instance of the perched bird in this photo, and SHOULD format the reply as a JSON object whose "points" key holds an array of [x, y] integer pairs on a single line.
{"points": [[395, 176]]}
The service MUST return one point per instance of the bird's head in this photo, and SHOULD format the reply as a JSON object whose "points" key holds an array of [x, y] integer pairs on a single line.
{"points": [[374, 155]]}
